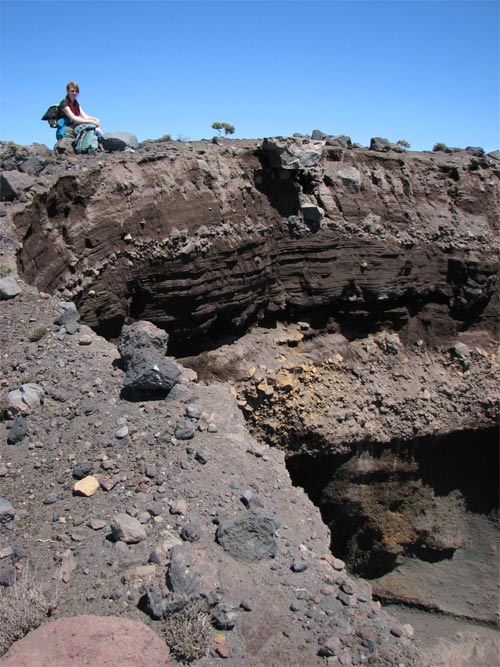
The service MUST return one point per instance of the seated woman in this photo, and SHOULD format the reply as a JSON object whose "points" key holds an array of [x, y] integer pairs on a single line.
{"points": [[71, 113]]}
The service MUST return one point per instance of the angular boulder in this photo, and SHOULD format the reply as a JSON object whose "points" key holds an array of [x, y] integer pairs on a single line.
{"points": [[14, 183], [151, 375], [9, 288], [293, 154], [126, 529]]}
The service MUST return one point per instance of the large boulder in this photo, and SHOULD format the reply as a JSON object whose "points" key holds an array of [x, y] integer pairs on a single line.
{"points": [[9, 288], [103, 641], [66, 313], [13, 184], [143, 347], [149, 374], [339, 174], [142, 337], [129, 138], [293, 153]]}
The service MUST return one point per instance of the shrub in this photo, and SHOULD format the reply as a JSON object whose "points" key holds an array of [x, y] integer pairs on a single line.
{"points": [[4, 270], [440, 146], [404, 144], [227, 128], [36, 334], [188, 631], [23, 607]]}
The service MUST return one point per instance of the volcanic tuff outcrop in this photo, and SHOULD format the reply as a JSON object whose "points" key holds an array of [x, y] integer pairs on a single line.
{"points": [[205, 239], [371, 277]]}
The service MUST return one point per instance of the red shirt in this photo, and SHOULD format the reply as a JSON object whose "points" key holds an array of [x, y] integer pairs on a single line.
{"points": [[74, 106]]}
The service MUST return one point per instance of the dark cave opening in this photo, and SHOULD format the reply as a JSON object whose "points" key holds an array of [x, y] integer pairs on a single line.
{"points": [[386, 502]]}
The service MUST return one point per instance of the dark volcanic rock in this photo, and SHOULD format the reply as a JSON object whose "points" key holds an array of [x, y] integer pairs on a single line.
{"points": [[249, 538], [13, 184], [142, 337], [149, 374], [17, 431]]}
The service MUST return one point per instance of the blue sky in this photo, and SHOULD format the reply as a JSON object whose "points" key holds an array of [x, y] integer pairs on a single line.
{"points": [[424, 71]]}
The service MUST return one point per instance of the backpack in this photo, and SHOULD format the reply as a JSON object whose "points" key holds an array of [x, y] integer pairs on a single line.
{"points": [[113, 144], [86, 138], [51, 115]]}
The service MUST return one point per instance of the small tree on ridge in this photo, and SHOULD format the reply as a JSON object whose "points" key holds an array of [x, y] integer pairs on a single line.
{"points": [[226, 127]]}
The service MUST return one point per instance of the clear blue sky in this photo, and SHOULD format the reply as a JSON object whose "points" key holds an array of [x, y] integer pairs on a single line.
{"points": [[424, 71]]}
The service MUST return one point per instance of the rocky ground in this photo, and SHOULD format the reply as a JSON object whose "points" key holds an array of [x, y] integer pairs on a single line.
{"points": [[284, 608], [125, 505]]}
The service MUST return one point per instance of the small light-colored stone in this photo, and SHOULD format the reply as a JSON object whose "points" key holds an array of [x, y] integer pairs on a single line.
{"points": [[178, 507], [86, 486], [284, 380], [408, 630], [85, 340]]}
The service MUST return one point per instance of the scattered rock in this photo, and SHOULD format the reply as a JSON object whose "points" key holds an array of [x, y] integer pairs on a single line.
{"points": [[7, 512], [191, 573], [185, 430], [27, 398], [249, 538], [127, 529], [18, 431], [298, 566], [191, 531]]}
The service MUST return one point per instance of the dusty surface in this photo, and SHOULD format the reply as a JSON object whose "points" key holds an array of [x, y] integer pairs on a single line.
{"points": [[451, 642]]}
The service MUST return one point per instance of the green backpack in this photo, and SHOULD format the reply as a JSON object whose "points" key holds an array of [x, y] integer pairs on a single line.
{"points": [[86, 138]]}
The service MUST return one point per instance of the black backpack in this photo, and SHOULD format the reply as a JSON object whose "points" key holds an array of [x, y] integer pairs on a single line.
{"points": [[113, 144], [51, 115]]}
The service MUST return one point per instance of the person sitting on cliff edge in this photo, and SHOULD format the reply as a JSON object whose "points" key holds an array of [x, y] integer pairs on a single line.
{"points": [[71, 114]]}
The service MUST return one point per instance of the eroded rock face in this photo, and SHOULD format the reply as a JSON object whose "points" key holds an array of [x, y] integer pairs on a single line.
{"points": [[205, 239]]}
